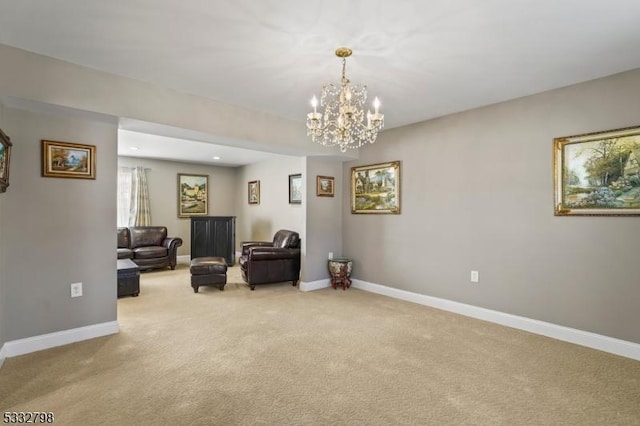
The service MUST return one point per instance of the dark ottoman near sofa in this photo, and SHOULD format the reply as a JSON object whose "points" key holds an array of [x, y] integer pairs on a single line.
{"points": [[128, 278], [208, 271]]}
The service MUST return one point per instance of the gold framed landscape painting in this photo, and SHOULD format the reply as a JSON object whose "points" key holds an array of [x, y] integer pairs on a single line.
{"points": [[193, 199], [376, 188], [598, 174], [68, 160]]}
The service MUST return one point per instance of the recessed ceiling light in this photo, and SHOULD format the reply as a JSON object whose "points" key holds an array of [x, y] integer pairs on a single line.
{"points": [[134, 148], [216, 157]]}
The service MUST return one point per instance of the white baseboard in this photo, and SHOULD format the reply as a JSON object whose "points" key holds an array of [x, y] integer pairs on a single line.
{"points": [[59, 338], [571, 335], [314, 285]]}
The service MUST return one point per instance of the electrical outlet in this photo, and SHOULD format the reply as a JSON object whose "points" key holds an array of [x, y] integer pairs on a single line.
{"points": [[475, 276], [76, 289], [330, 255]]}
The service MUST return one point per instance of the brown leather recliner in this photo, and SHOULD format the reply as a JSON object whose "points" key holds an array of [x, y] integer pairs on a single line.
{"points": [[271, 261], [148, 246]]}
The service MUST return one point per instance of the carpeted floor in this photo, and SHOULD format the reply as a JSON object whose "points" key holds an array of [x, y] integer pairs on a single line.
{"points": [[278, 356]]}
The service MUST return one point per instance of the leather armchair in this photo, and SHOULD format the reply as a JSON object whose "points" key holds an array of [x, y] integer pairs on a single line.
{"points": [[274, 261]]}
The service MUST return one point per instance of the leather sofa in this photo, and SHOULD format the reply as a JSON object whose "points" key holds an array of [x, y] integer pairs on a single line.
{"points": [[274, 261], [148, 246]]}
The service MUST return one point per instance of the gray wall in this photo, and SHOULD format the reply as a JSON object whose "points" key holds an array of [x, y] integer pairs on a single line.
{"points": [[260, 221], [32, 77], [323, 218], [57, 231], [162, 177], [478, 194]]}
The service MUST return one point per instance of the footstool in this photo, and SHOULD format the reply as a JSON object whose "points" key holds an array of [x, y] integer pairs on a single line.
{"points": [[128, 278], [208, 271]]}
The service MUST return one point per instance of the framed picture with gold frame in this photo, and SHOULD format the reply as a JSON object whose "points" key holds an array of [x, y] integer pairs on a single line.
{"points": [[325, 186], [598, 174], [193, 199], [5, 157], [68, 160], [376, 188], [253, 192]]}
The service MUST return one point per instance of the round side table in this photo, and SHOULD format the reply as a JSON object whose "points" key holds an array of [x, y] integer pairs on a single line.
{"points": [[340, 270]]}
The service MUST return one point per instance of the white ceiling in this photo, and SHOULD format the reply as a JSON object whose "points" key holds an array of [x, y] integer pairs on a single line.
{"points": [[423, 59]]}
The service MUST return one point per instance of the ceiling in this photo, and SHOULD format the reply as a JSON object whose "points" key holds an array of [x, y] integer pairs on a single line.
{"points": [[423, 59]]}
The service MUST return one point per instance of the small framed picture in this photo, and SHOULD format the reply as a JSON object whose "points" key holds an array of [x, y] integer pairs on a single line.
{"points": [[68, 160], [324, 186], [295, 189], [5, 156], [254, 192], [192, 195]]}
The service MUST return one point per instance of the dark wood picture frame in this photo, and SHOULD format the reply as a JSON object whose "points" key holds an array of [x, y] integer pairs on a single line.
{"points": [[68, 160], [5, 157], [295, 189]]}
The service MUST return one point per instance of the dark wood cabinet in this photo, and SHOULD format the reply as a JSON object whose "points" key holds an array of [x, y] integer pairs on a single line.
{"points": [[214, 236]]}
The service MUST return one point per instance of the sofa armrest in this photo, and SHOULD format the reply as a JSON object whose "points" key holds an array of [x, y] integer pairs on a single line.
{"points": [[172, 243], [246, 245], [272, 253]]}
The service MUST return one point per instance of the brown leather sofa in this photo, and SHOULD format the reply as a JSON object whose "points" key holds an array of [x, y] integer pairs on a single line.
{"points": [[274, 261], [148, 246]]}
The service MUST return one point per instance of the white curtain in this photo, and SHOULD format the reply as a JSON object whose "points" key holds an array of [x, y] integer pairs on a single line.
{"points": [[124, 195], [133, 197], [139, 208]]}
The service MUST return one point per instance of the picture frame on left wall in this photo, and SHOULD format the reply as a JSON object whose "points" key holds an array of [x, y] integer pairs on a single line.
{"points": [[193, 195], [295, 189], [253, 192], [5, 157], [68, 160]]}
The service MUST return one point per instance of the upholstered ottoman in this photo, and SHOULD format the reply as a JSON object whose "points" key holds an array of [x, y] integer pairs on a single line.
{"points": [[208, 271]]}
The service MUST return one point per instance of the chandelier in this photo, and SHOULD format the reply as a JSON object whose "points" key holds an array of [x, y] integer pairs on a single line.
{"points": [[343, 120]]}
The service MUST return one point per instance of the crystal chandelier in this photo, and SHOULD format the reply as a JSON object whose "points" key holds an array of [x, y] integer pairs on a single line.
{"points": [[342, 122]]}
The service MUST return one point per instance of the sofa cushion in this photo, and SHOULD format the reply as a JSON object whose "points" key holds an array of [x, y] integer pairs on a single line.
{"points": [[125, 253], [150, 252], [143, 236]]}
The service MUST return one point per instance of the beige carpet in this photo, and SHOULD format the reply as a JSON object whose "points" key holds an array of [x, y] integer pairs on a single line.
{"points": [[278, 356]]}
